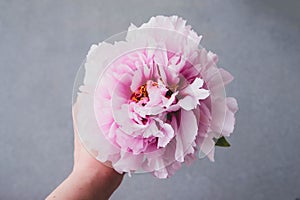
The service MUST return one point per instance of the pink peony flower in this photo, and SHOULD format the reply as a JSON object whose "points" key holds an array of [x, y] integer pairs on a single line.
{"points": [[153, 101]]}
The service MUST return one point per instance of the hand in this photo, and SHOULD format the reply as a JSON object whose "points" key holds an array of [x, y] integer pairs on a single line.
{"points": [[90, 179]]}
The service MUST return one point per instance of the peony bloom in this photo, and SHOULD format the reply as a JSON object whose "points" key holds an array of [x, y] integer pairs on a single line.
{"points": [[153, 101]]}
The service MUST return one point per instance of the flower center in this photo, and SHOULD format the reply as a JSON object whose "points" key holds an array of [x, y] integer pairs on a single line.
{"points": [[139, 94]]}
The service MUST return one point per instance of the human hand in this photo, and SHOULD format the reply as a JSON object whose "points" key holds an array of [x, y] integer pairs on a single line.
{"points": [[90, 179]]}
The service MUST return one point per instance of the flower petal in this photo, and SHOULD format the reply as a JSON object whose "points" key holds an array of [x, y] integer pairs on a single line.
{"points": [[229, 118], [186, 134], [188, 103]]}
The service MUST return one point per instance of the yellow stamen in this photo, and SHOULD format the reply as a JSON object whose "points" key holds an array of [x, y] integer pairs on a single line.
{"points": [[140, 94]]}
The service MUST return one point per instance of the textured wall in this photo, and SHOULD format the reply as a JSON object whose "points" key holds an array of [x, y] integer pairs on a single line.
{"points": [[42, 44]]}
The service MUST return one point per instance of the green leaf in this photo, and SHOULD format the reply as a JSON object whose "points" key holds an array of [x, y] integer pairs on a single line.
{"points": [[221, 142]]}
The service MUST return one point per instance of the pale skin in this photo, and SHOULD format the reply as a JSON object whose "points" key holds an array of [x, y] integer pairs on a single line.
{"points": [[89, 179]]}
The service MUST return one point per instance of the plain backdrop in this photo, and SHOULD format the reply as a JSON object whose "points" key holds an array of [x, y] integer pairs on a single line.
{"points": [[43, 42]]}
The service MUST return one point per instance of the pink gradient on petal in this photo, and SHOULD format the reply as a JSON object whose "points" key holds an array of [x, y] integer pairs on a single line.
{"points": [[158, 99]]}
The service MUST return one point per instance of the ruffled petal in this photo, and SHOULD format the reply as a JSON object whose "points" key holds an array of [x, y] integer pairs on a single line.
{"points": [[229, 123], [93, 138], [186, 134]]}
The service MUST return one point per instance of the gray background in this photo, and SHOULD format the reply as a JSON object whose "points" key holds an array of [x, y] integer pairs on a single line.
{"points": [[42, 44]]}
